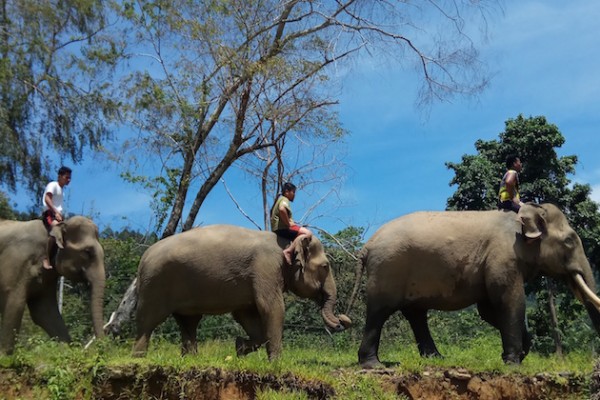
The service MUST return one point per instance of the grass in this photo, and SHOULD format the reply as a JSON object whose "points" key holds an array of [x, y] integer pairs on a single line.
{"points": [[61, 366]]}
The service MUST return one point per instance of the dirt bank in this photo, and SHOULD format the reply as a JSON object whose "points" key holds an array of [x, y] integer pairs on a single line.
{"points": [[133, 382]]}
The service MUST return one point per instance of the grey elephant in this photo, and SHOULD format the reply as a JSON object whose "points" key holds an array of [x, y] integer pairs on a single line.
{"points": [[450, 260], [222, 269], [24, 282]]}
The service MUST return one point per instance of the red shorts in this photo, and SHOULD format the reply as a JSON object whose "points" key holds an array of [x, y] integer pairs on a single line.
{"points": [[290, 233], [47, 217]]}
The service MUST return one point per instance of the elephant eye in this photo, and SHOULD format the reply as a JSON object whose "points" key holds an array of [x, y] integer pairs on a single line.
{"points": [[570, 242]]}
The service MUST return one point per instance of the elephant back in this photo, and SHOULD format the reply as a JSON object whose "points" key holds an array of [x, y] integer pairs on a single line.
{"points": [[22, 233], [217, 246]]}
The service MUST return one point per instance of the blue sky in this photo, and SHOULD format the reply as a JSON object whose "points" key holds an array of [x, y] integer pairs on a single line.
{"points": [[544, 58]]}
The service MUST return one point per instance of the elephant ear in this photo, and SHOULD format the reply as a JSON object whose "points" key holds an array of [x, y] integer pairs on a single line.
{"points": [[58, 231], [301, 250], [533, 221]]}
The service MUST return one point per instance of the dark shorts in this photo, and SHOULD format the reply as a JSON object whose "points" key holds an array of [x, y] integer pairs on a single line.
{"points": [[47, 217], [508, 205], [290, 233]]}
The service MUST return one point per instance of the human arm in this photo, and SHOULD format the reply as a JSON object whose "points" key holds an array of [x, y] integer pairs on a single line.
{"points": [[511, 187], [51, 206], [284, 216]]}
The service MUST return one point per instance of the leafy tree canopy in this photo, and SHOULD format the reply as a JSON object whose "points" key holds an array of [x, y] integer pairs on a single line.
{"points": [[47, 108], [544, 176]]}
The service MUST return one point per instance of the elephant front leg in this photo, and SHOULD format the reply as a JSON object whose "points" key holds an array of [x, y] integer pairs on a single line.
{"points": [[11, 322], [509, 323], [369, 348], [271, 310], [251, 322]]}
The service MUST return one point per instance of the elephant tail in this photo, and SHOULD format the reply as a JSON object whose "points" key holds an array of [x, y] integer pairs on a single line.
{"points": [[358, 272], [124, 312]]}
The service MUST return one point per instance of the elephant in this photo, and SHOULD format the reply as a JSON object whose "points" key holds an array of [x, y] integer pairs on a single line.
{"points": [[24, 282], [449, 260], [221, 269]]}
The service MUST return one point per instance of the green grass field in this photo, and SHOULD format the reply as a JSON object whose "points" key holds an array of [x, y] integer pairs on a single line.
{"points": [[63, 370]]}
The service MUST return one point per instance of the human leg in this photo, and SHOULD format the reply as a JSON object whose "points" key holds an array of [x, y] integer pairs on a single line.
{"points": [[51, 248]]}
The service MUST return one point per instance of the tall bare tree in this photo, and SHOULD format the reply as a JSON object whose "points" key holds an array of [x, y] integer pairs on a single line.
{"points": [[210, 83]]}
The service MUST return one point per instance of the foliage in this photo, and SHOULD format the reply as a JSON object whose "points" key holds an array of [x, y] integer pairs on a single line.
{"points": [[46, 106], [205, 90], [545, 178], [7, 211]]}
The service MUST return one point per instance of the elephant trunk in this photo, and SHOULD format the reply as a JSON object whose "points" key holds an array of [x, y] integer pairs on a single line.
{"points": [[584, 289], [333, 322], [95, 275]]}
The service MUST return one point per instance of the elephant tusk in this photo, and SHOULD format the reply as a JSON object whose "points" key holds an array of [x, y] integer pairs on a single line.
{"points": [[92, 340], [589, 294], [110, 321]]}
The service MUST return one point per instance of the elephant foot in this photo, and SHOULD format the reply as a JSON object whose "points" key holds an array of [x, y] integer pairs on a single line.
{"points": [[139, 351], [244, 347], [189, 350], [372, 363], [513, 359], [431, 354], [138, 354]]}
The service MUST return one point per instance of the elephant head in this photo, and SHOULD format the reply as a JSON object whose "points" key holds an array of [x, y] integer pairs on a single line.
{"points": [[81, 258], [313, 278], [560, 253]]}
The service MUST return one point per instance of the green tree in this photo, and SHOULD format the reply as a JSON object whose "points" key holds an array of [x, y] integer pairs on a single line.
{"points": [[47, 107], [6, 210], [545, 178], [213, 84]]}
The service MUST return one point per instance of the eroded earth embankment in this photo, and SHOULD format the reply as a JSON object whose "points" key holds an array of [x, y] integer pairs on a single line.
{"points": [[135, 382]]}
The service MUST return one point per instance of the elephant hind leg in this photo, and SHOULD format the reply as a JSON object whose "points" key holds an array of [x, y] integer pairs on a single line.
{"points": [[251, 322], [417, 319], [44, 313], [368, 353], [188, 325], [147, 319]]}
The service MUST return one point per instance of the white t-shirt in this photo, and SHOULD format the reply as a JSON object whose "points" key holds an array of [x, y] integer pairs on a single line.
{"points": [[57, 196]]}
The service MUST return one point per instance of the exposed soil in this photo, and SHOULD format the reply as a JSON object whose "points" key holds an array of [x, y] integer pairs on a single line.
{"points": [[461, 384], [134, 382]]}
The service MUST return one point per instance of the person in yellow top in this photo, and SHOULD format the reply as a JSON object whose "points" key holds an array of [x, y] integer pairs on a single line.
{"points": [[508, 195], [281, 220]]}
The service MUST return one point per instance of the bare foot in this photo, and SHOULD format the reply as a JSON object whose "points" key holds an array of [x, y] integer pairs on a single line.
{"points": [[46, 264], [288, 257]]}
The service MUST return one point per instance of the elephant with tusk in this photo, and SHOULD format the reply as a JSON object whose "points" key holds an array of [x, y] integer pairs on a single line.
{"points": [[450, 260], [25, 283], [227, 269]]}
